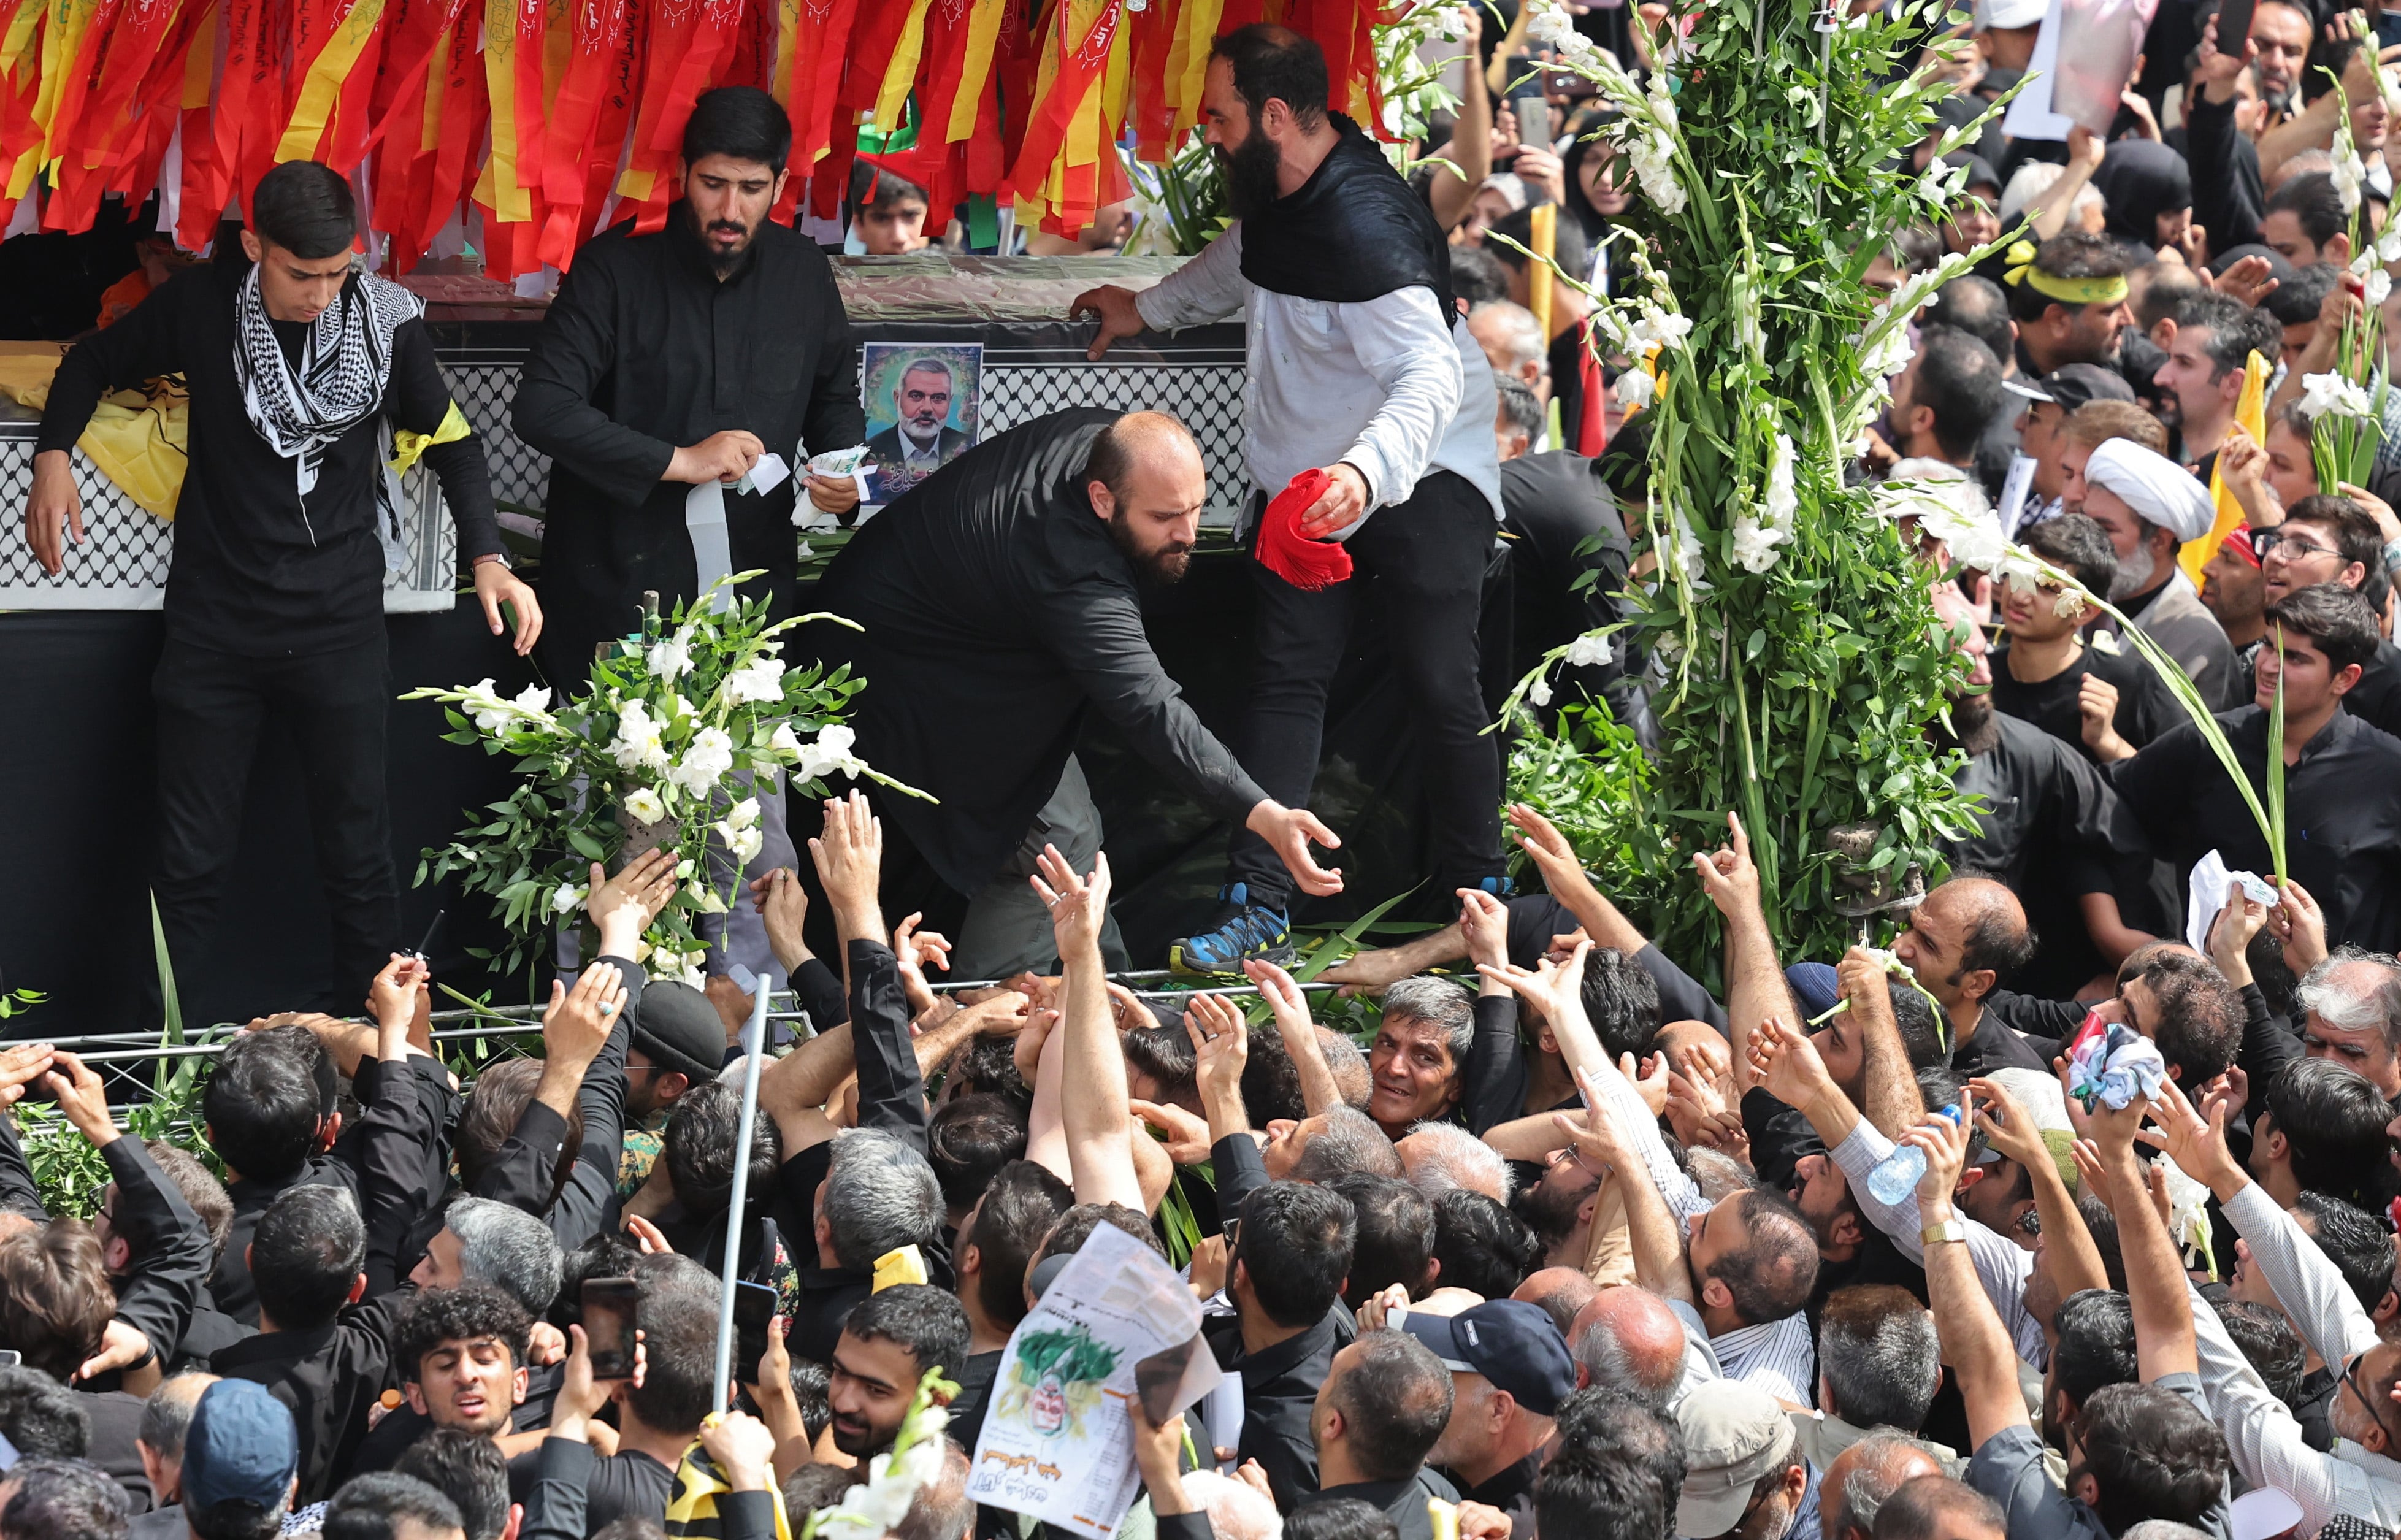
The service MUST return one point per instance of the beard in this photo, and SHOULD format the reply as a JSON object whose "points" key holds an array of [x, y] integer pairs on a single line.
{"points": [[2134, 572], [1551, 1216], [724, 264], [1165, 565], [1250, 174]]}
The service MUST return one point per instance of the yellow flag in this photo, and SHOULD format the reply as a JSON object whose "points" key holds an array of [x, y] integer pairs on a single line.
{"points": [[2251, 416], [906, 1265]]}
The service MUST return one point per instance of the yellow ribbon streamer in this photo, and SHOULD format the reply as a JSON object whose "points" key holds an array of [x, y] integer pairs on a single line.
{"points": [[326, 76], [407, 447], [901, 72]]}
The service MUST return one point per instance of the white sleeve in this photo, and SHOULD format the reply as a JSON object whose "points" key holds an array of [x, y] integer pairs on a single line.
{"points": [[1207, 288], [2309, 1288], [1403, 342], [1626, 1105], [2002, 1265]]}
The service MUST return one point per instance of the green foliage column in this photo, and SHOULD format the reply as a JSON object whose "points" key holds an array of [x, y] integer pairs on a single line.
{"points": [[1801, 654]]}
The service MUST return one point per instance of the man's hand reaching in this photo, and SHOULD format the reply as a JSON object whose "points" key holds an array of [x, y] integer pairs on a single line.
{"points": [[84, 1098], [627, 904], [496, 585], [1116, 312], [850, 859], [576, 1026], [21, 1063], [1078, 905], [1289, 833], [392, 1000], [783, 907], [1729, 877]]}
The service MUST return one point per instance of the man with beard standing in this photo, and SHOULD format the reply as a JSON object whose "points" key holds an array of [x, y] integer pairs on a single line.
{"points": [[673, 362], [1360, 368], [998, 598]]}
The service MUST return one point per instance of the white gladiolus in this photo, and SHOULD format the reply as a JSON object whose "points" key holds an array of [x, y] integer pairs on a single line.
{"points": [[1780, 503], [743, 814], [831, 752], [1755, 543], [533, 700], [568, 900], [2380, 287], [2326, 393], [709, 902], [1634, 389], [1538, 692], [2349, 175], [2388, 244], [671, 657], [1688, 555], [784, 741], [758, 681], [1747, 331], [1664, 328], [1589, 650], [637, 745], [644, 805], [743, 842], [484, 705], [706, 760]]}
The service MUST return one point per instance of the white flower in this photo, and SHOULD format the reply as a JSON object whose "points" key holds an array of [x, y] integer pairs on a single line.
{"points": [[1589, 650], [2349, 175], [742, 843], [706, 760], [1538, 692], [684, 870], [831, 752], [2380, 287], [2331, 392], [743, 814], [1688, 553], [533, 700], [1754, 546], [2069, 603], [637, 745], [644, 805], [1663, 328], [1941, 183], [784, 742], [760, 680], [1634, 389], [484, 705], [568, 900], [1747, 332], [2388, 244], [671, 658], [1975, 542], [1780, 504], [709, 902]]}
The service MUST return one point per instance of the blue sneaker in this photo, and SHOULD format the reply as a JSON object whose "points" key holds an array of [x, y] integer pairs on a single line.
{"points": [[1247, 930], [1501, 887]]}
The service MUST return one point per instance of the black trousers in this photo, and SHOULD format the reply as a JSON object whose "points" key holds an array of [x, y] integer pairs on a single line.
{"points": [[211, 708], [1427, 558]]}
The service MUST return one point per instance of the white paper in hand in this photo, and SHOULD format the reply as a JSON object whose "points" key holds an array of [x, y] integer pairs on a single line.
{"points": [[712, 556], [2207, 889], [765, 476]]}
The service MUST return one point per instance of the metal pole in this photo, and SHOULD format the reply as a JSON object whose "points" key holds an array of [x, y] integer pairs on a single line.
{"points": [[754, 1034]]}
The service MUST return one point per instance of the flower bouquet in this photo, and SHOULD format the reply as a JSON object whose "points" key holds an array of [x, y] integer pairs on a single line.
{"points": [[2346, 406], [650, 754]]}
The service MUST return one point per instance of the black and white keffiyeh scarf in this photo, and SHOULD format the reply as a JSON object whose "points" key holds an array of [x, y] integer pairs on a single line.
{"points": [[345, 367]]}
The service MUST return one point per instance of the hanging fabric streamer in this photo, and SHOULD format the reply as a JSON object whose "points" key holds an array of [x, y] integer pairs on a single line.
{"points": [[1283, 550]]}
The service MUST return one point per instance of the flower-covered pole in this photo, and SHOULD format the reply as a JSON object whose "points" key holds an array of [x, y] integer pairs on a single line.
{"points": [[1799, 662], [2346, 406]]}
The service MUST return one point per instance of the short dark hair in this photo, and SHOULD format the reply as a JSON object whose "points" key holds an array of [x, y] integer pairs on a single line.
{"points": [[2336, 619], [1482, 1247], [2070, 254], [1621, 999], [1977, 306], [1272, 63], [2168, 288], [699, 1149], [2154, 1455], [2096, 423], [490, 1120], [261, 1105], [464, 1314], [1923, 1033], [41, 1416], [2101, 1223], [1165, 1054], [818, 1486], [1340, 1519], [306, 1255], [1881, 1357], [306, 209], [1959, 380], [2266, 1338], [739, 121], [1639, 1450], [2356, 538], [1076, 1224], [2295, 300], [2095, 1328], [467, 1468], [2310, 199], [1477, 276], [1020, 1205], [1774, 1274], [2201, 1015], [1394, 1238], [1395, 1399], [927, 1323], [2077, 546], [1271, 1082], [1917, 1507], [2333, 1120], [1519, 405], [1998, 938], [2353, 1240], [678, 1318], [1348, 1140], [989, 1064], [1295, 1246], [2236, 331], [55, 1299], [371, 1507], [64, 1500], [606, 1254], [199, 1186]]}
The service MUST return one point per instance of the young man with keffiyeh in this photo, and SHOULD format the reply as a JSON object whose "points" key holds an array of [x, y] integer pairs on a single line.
{"points": [[302, 370], [1362, 368]]}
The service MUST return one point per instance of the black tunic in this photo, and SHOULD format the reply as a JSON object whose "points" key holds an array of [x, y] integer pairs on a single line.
{"points": [[2145, 709], [645, 350], [2342, 822], [2039, 798], [995, 607], [260, 572]]}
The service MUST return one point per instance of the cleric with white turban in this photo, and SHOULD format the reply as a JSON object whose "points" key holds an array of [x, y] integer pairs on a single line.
{"points": [[2150, 505]]}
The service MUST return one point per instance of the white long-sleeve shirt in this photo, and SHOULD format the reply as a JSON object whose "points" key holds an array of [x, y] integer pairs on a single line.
{"points": [[2260, 1431], [1391, 387]]}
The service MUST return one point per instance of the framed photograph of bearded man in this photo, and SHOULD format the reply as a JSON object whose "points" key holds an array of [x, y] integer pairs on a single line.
{"points": [[924, 404]]}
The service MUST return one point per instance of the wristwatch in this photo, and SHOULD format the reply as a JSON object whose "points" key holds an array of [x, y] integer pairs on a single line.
{"points": [[1949, 1230]]}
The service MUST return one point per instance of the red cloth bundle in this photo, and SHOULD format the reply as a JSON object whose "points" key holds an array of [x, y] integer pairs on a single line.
{"points": [[1306, 564]]}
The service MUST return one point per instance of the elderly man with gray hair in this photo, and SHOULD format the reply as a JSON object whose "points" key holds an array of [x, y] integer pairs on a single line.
{"points": [[1418, 1066], [1438, 1157], [879, 1195], [2353, 1001], [165, 1417]]}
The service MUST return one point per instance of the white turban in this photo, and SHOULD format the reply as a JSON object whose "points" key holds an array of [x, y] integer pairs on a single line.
{"points": [[2158, 488]]}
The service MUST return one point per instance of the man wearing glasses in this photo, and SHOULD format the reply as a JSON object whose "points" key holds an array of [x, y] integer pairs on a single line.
{"points": [[285, 525], [2335, 539]]}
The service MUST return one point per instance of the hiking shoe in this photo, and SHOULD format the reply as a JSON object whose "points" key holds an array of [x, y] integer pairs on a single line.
{"points": [[1244, 930]]}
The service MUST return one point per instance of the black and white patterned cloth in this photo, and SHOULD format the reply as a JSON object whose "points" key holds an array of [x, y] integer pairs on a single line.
{"points": [[340, 382]]}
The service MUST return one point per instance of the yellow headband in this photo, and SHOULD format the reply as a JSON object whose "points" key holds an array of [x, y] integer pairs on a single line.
{"points": [[2067, 291]]}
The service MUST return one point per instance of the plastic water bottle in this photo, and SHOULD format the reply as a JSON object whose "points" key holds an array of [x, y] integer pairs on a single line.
{"points": [[1896, 1175]]}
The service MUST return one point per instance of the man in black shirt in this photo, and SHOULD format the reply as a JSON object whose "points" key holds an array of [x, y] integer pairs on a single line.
{"points": [[1285, 1275], [285, 529], [2099, 701], [999, 1234], [1383, 1406], [2335, 539], [2342, 826]]}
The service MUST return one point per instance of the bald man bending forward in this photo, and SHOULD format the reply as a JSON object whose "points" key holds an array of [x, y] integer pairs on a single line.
{"points": [[999, 600]]}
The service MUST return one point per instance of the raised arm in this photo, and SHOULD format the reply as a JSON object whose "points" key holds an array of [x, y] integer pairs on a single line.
{"points": [[1887, 1084], [1598, 1140], [2075, 1261], [2155, 1278], [1496, 1060], [1299, 1031], [1221, 1051], [1564, 875], [1095, 1115], [1755, 988], [1973, 1343]]}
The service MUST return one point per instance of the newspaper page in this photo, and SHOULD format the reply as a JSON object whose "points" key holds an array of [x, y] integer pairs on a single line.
{"points": [[1057, 1443]]}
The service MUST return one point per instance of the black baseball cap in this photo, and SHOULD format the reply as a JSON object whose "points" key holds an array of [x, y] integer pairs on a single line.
{"points": [[677, 1027], [1515, 1345], [2071, 385]]}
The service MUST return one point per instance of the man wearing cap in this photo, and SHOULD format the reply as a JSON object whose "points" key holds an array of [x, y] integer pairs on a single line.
{"points": [[1509, 1372], [2150, 506], [2036, 479], [241, 1460], [1744, 1475], [679, 1042]]}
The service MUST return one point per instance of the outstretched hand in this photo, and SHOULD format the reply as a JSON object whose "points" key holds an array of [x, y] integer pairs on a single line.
{"points": [[1554, 988], [1289, 833], [1729, 877], [849, 857], [1078, 905]]}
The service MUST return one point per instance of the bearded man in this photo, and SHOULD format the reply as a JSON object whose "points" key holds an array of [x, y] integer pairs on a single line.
{"points": [[999, 598]]}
